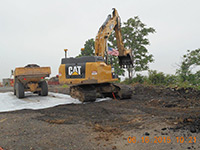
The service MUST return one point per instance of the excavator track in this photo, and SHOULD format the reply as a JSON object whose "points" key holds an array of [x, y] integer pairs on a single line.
{"points": [[89, 92], [84, 93], [125, 91]]}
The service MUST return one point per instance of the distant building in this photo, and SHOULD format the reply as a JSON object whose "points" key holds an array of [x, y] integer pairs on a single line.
{"points": [[53, 81]]}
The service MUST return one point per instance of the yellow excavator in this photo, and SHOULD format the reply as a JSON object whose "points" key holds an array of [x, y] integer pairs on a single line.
{"points": [[91, 76]]}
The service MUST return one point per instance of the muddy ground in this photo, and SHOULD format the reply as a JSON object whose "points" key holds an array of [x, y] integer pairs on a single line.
{"points": [[154, 118]]}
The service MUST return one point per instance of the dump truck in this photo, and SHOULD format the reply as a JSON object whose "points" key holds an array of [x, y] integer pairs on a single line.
{"points": [[31, 78]]}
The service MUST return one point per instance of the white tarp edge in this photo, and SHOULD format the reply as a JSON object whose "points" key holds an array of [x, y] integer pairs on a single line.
{"points": [[9, 102]]}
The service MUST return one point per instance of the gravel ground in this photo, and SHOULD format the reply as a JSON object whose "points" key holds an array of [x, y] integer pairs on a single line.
{"points": [[155, 118]]}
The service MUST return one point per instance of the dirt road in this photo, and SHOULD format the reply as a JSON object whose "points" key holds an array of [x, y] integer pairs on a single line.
{"points": [[155, 118]]}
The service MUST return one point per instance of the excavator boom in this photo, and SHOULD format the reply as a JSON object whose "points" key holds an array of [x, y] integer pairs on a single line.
{"points": [[111, 24]]}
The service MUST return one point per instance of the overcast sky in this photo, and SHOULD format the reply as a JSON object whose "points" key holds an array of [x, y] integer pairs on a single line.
{"points": [[37, 31]]}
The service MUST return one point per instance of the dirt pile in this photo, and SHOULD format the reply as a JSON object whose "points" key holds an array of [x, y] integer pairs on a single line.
{"points": [[191, 124], [158, 96], [166, 91], [180, 106], [106, 132]]}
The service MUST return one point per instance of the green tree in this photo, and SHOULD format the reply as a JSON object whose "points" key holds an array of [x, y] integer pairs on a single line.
{"points": [[134, 34], [190, 61], [89, 48]]}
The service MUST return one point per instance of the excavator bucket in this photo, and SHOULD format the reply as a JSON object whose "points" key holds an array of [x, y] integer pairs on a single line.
{"points": [[126, 61]]}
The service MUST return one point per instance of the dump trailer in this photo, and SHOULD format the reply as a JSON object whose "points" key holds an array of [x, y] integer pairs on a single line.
{"points": [[31, 78]]}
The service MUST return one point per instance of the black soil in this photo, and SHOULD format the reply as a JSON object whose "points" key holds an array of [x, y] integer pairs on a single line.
{"points": [[101, 122]]}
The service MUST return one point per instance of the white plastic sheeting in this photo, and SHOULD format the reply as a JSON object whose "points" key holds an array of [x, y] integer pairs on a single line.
{"points": [[9, 102]]}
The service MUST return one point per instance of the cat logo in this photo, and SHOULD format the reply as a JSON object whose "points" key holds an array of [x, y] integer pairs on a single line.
{"points": [[74, 70]]}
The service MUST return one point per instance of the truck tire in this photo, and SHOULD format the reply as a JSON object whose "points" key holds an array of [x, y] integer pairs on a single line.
{"points": [[15, 89], [19, 90], [14, 92], [44, 88]]}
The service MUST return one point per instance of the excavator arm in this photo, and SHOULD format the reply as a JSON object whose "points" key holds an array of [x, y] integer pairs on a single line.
{"points": [[112, 23]]}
